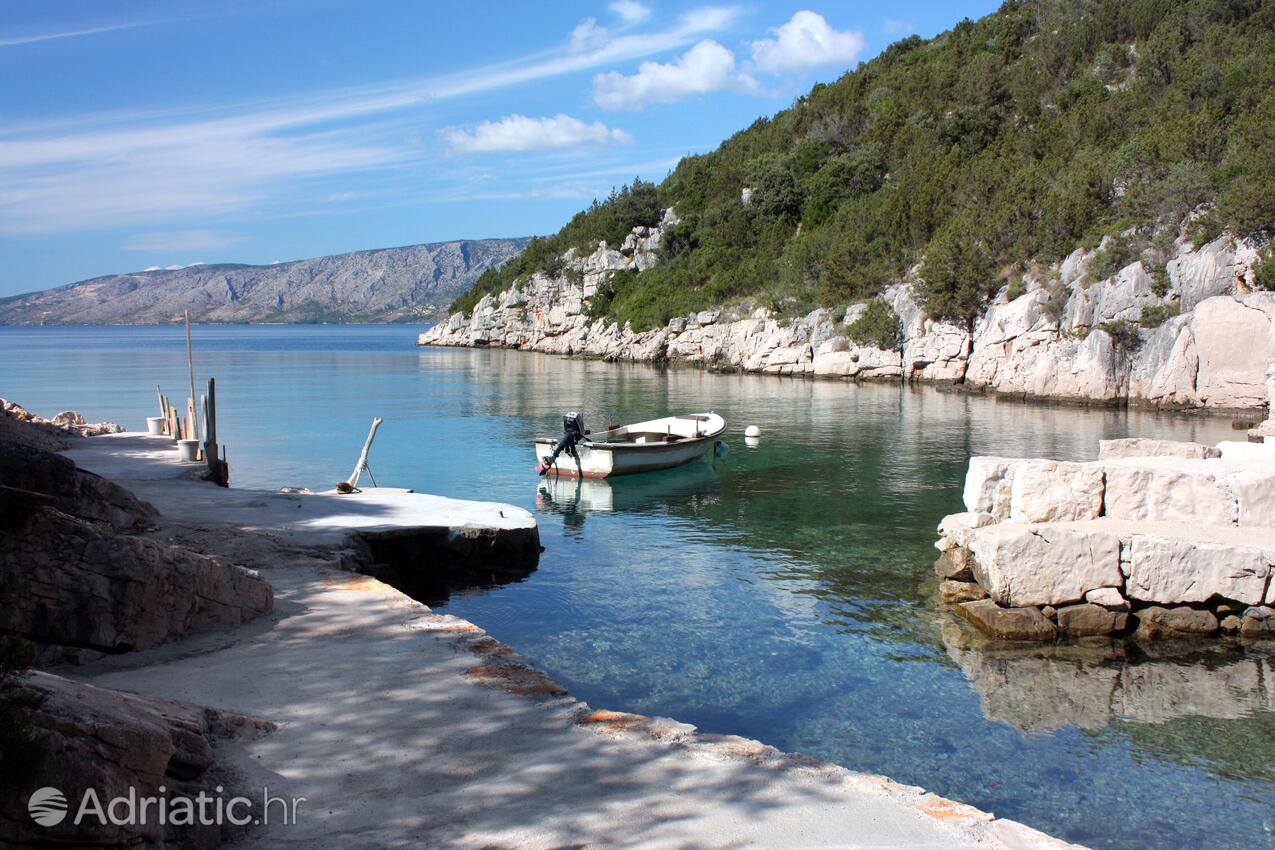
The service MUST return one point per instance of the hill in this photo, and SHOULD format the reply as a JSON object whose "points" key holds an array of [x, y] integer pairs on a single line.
{"points": [[961, 164], [413, 283]]}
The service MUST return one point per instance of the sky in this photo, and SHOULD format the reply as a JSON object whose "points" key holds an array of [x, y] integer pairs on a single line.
{"points": [[143, 134]]}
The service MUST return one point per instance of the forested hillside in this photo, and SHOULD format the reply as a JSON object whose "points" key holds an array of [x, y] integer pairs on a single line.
{"points": [[993, 148]]}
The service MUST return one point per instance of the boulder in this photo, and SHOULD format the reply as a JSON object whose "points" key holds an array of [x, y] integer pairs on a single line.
{"points": [[72, 490], [1254, 497], [953, 592], [1166, 491], [988, 482], [1044, 564], [1109, 598], [1008, 623], [1055, 491], [955, 565], [956, 529], [114, 743], [1258, 621], [1156, 622], [1089, 619], [1166, 569]]}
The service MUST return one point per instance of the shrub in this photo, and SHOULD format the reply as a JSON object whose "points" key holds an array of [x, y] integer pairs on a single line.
{"points": [[1264, 269], [1017, 289], [878, 327], [1154, 315], [1124, 335], [1112, 257], [958, 277]]}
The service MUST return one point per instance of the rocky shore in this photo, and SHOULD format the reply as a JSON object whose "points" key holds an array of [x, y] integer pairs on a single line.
{"points": [[224, 645], [1155, 540], [1197, 338]]}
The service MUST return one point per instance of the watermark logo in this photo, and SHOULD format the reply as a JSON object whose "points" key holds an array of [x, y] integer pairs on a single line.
{"points": [[47, 806]]}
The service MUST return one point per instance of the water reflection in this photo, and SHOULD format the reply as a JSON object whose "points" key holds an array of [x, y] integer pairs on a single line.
{"points": [[1090, 686]]}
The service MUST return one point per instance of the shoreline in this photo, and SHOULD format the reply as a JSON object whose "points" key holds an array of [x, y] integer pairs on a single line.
{"points": [[382, 712]]}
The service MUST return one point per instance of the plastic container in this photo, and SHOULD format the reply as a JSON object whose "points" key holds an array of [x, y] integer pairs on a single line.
{"points": [[155, 426], [188, 450]]}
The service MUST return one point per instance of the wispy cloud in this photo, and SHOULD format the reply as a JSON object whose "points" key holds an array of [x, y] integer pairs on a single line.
{"points": [[520, 133], [629, 11], [894, 26], [14, 41], [173, 241], [112, 170]]}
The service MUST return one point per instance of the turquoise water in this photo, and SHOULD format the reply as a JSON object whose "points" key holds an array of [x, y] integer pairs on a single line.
{"points": [[783, 592]]}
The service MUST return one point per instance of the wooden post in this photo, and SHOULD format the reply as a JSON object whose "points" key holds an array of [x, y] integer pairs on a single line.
{"points": [[210, 432], [361, 465], [190, 401]]}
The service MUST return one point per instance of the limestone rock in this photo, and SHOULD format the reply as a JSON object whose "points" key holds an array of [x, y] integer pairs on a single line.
{"points": [[1109, 598], [1172, 570], [1177, 491], [72, 490], [1008, 623], [1055, 491], [1258, 621], [955, 565], [75, 588], [988, 483], [1089, 619], [1156, 622], [113, 742], [953, 592], [1146, 447], [1044, 564]]}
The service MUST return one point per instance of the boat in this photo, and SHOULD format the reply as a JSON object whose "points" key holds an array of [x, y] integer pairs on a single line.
{"points": [[640, 447]]}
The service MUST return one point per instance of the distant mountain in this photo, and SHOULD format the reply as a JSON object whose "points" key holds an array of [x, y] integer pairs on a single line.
{"points": [[414, 283]]}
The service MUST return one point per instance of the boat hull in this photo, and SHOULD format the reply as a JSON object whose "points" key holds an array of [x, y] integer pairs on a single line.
{"points": [[643, 447], [603, 462]]}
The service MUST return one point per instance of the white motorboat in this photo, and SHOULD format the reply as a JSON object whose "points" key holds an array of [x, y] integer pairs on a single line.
{"points": [[640, 447]]}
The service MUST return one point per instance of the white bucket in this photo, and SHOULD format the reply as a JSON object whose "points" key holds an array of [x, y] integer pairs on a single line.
{"points": [[155, 425], [188, 450]]}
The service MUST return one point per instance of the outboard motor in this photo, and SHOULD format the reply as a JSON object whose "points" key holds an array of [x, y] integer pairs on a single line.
{"points": [[572, 432]]}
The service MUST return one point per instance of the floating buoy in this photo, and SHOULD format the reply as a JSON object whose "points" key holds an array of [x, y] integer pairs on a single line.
{"points": [[752, 431], [752, 442]]}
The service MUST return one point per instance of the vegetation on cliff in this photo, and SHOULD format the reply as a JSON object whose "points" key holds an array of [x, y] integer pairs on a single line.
{"points": [[1005, 141]]}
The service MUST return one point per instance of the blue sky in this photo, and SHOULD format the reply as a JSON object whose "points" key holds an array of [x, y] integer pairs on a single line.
{"points": [[146, 134]]}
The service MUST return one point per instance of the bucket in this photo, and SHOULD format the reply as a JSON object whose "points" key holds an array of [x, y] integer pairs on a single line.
{"points": [[155, 425], [188, 450]]}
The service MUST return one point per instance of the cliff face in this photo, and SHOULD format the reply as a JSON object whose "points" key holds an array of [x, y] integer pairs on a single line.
{"points": [[1050, 342], [393, 284]]}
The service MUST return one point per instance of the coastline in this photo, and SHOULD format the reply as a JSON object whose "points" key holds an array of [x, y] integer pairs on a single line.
{"points": [[390, 722]]}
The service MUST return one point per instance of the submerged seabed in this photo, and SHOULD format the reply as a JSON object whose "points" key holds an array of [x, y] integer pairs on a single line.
{"points": [[781, 593]]}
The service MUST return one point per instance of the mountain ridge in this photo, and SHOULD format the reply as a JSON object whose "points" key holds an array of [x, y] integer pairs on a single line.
{"points": [[394, 284]]}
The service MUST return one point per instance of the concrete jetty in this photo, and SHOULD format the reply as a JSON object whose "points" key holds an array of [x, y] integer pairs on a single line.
{"points": [[404, 727]]}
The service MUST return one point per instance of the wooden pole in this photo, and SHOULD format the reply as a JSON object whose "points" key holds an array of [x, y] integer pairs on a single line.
{"points": [[190, 402], [210, 432], [353, 480]]}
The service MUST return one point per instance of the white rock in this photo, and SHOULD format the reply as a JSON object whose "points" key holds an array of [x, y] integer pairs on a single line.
{"points": [[988, 482], [1047, 564], [1055, 491], [959, 528], [1145, 447], [1108, 597], [1166, 569], [1149, 492]]}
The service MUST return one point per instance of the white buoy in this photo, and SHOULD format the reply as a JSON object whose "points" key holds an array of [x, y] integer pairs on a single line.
{"points": [[752, 431], [752, 442]]}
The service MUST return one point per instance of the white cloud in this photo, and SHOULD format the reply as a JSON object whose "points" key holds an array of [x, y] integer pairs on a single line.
{"points": [[93, 171], [52, 36], [629, 11], [893, 26], [706, 67], [587, 36], [181, 240], [805, 42], [520, 133]]}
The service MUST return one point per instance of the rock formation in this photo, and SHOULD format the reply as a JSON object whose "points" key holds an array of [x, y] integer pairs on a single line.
{"points": [[78, 581], [119, 744], [1066, 337], [1155, 538], [392, 284]]}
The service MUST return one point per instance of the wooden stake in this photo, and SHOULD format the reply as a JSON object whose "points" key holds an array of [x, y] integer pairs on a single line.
{"points": [[210, 432], [190, 401]]}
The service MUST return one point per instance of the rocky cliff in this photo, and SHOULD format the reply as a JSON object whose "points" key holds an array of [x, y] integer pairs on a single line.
{"points": [[1203, 341], [388, 285]]}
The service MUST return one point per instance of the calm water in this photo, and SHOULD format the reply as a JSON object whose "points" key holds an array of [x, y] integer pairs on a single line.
{"points": [[782, 592]]}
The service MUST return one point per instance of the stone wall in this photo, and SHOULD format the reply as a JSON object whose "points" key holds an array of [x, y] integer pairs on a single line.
{"points": [[1155, 538], [1046, 343]]}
